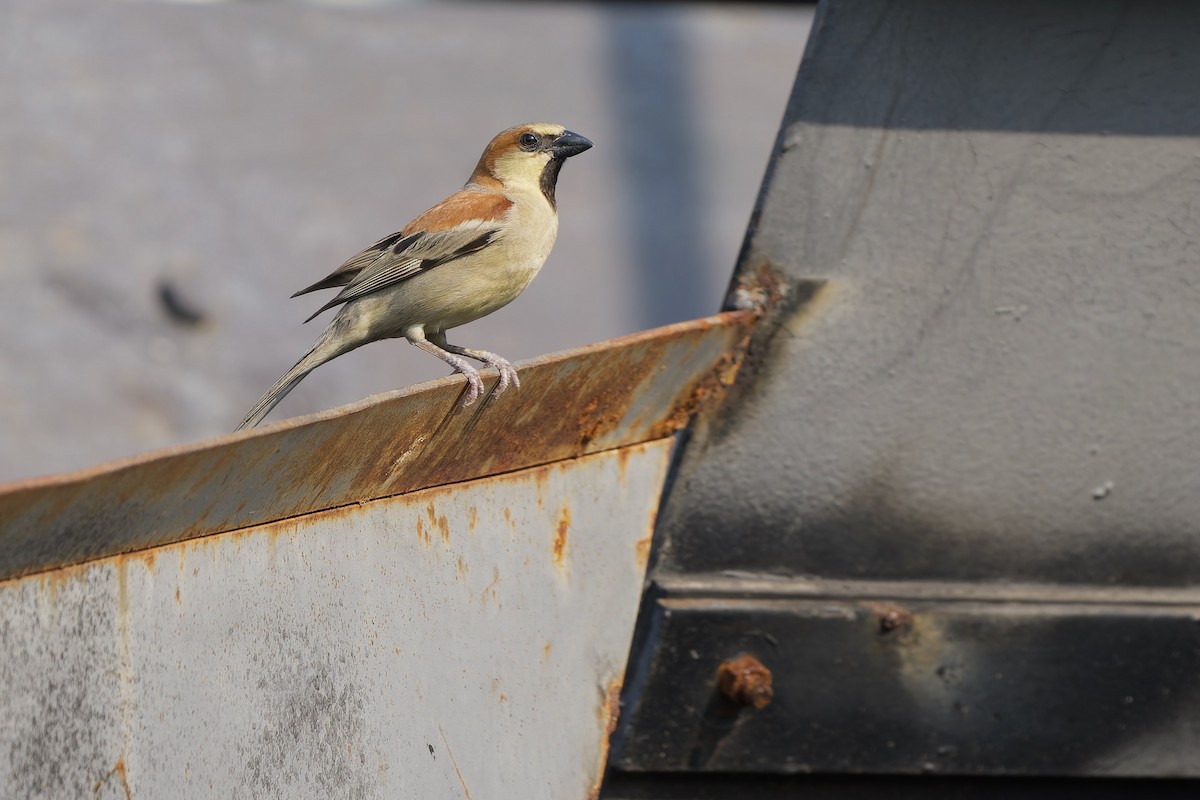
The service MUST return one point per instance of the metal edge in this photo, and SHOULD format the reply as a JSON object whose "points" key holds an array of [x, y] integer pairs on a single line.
{"points": [[599, 397]]}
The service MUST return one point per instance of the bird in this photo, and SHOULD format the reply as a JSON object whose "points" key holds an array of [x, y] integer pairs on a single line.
{"points": [[464, 258]]}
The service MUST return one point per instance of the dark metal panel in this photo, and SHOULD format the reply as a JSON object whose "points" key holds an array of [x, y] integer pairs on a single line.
{"points": [[620, 392], [984, 362], [900, 685], [952, 503], [710, 786]]}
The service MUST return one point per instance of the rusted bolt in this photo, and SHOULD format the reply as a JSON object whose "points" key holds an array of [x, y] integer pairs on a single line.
{"points": [[745, 681], [891, 616]]}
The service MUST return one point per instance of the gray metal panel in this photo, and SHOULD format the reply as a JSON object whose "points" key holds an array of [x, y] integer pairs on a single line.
{"points": [[975, 399], [465, 641]]}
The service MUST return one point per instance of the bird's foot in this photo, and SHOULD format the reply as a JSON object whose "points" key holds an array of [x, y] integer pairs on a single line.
{"points": [[473, 389], [508, 373], [508, 377]]}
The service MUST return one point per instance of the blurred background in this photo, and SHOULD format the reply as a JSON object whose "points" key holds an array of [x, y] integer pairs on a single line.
{"points": [[171, 173]]}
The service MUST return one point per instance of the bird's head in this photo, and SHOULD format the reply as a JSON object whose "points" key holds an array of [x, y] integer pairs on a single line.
{"points": [[528, 156]]}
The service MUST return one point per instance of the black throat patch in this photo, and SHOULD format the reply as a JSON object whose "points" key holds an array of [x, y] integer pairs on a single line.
{"points": [[549, 179]]}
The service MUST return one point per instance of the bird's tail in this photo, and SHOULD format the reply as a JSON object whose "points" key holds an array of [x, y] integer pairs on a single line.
{"points": [[332, 343]]}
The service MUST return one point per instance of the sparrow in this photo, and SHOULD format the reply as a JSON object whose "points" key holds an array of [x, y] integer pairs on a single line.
{"points": [[466, 257]]}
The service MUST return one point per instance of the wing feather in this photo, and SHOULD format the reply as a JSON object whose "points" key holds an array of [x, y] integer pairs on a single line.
{"points": [[424, 252], [461, 224]]}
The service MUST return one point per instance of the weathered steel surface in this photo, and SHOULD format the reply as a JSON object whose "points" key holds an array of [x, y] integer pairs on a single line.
{"points": [[627, 390], [978, 370], [921, 686], [464, 641]]}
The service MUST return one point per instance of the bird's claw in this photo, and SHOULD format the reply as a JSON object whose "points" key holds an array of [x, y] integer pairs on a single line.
{"points": [[508, 377], [472, 391]]}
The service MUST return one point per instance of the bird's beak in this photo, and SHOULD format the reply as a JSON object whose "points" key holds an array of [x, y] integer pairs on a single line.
{"points": [[569, 144]]}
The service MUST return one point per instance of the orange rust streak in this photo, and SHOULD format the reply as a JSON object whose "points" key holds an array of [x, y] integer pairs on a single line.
{"points": [[610, 712], [642, 550], [560, 535], [118, 770], [622, 463]]}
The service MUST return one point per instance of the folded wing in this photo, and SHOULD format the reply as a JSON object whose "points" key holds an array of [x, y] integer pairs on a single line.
{"points": [[464, 223]]}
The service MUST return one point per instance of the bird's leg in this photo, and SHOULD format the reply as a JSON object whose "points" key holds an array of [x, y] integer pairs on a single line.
{"points": [[416, 337], [508, 373]]}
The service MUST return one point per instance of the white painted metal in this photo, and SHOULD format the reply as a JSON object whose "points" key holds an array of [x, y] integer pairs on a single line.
{"points": [[466, 641]]}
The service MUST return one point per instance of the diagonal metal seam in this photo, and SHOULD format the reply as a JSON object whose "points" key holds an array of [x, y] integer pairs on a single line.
{"points": [[602, 397]]}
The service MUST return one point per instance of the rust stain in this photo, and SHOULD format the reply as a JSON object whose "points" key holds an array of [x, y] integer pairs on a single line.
{"points": [[422, 535], [503, 697], [273, 534], [432, 512], [122, 596], [891, 616], [51, 584], [491, 588], [340, 457], [641, 549], [474, 520], [610, 713], [461, 567], [560, 535], [444, 527], [147, 557], [746, 682], [178, 597], [594, 419], [546, 648], [117, 771], [704, 393], [623, 463], [454, 761], [760, 290]]}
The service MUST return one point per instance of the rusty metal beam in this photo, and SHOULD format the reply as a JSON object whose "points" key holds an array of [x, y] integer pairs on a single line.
{"points": [[624, 391]]}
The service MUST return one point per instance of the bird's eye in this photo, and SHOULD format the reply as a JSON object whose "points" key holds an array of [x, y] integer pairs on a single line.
{"points": [[528, 141]]}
